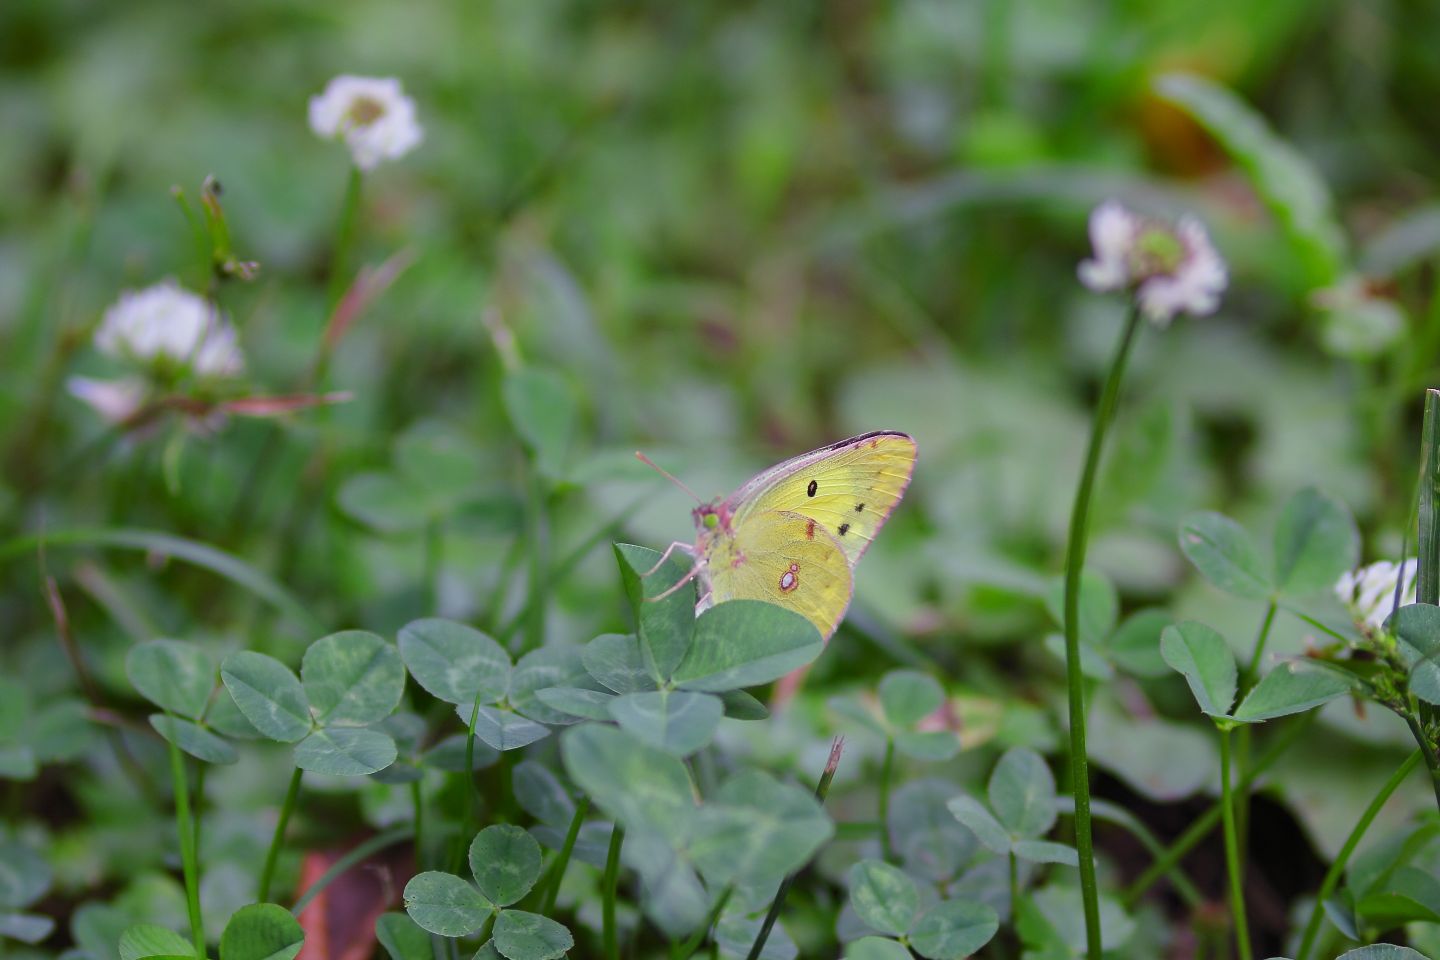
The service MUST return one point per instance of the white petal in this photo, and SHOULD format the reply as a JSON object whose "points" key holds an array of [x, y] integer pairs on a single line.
{"points": [[115, 400]]}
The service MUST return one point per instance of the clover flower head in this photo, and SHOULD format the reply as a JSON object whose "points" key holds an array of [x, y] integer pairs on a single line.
{"points": [[1171, 269], [1369, 592], [166, 323], [372, 114]]}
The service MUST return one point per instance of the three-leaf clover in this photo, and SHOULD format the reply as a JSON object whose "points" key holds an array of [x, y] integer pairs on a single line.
{"points": [[349, 681], [1021, 810], [505, 863], [887, 900]]}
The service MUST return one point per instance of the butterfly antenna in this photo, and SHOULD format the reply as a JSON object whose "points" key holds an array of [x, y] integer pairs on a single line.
{"points": [[666, 474]]}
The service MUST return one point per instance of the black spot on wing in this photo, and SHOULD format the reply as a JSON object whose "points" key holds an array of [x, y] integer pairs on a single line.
{"points": [[859, 507], [810, 490], [844, 529]]}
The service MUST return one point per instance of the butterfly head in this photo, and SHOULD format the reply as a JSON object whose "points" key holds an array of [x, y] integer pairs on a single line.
{"points": [[711, 516]]}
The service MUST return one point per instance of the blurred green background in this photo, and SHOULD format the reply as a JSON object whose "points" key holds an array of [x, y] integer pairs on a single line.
{"points": [[725, 233]]}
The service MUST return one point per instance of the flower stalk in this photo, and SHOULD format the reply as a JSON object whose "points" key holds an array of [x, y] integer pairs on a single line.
{"points": [[1075, 679]]}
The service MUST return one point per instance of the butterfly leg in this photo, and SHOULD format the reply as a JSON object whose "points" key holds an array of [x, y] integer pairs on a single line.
{"points": [[694, 572], [686, 548]]}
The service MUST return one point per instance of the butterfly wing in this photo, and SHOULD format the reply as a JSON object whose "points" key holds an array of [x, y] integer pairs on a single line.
{"points": [[787, 559], [849, 489]]}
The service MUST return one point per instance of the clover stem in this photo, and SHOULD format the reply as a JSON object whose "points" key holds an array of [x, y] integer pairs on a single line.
{"points": [[1075, 679], [1332, 876], [1426, 749], [467, 829], [198, 811], [887, 768], [189, 862], [1247, 679], [344, 242], [1242, 739], [687, 949], [1014, 886], [1232, 850], [278, 840], [434, 552], [609, 885], [837, 746], [1201, 827], [557, 870], [536, 535]]}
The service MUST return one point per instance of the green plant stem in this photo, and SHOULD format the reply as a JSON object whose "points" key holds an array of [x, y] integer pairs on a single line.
{"points": [[434, 553], [1332, 876], [1427, 576], [1432, 763], [1243, 738], [189, 863], [536, 533], [198, 812], [1075, 679], [278, 840], [557, 870], [609, 885], [1203, 824], [471, 792], [822, 788], [362, 851], [887, 769], [687, 949], [417, 801], [487, 927], [1232, 851], [1252, 670], [339, 266], [1014, 885]]}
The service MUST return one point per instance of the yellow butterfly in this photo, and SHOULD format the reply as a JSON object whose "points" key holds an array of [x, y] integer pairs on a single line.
{"points": [[794, 533]]}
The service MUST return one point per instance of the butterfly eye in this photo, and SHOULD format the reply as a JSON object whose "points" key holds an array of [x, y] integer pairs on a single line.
{"points": [[711, 521]]}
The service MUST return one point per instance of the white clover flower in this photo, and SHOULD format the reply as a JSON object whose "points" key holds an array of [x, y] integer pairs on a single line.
{"points": [[115, 400], [373, 114], [168, 323], [1369, 593], [1171, 269]]}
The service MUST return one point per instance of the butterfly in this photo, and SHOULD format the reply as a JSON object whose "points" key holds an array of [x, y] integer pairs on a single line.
{"points": [[793, 534]]}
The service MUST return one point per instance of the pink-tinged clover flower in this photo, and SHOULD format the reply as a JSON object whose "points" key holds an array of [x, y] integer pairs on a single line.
{"points": [[1171, 269], [372, 115]]}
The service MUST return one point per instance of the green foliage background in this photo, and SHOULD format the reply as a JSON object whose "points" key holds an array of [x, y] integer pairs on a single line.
{"points": [[724, 233]]}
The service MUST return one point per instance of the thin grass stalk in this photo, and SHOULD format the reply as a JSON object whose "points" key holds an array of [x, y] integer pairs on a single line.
{"points": [[687, 949], [471, 792], [1332, 876], [1075, 679], [278, 840], [837, 746], [536, 534], [557, 870], [1427, 582], [609, 886]]}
